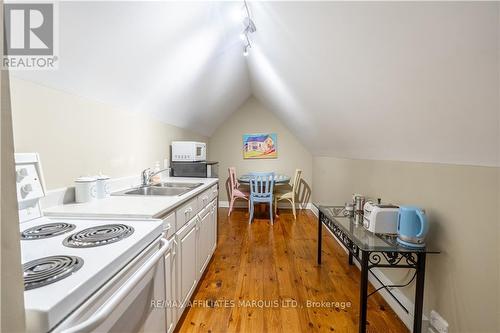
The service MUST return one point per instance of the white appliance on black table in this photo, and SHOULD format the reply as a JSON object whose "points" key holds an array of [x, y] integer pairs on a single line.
{"points": [[189, 160], [380, 218], [87, 275], [188, 151]]}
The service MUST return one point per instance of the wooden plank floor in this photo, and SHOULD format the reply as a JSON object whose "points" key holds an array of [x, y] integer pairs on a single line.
{"points": [[275, 267]]}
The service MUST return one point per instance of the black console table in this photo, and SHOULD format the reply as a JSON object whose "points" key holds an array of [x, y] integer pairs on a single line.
{"points": [[372, 251]]}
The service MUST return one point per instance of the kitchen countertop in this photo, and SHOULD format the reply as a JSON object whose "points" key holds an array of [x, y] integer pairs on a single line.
{"points": [[152, 206]]}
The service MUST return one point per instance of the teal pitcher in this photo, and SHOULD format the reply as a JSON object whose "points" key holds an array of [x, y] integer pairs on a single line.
{"points": [[412, 226]]}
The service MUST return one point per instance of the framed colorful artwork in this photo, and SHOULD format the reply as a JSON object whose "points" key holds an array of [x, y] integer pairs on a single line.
{"points": [[257, 146]]}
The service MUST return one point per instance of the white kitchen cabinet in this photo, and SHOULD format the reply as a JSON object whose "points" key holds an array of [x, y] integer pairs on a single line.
{"points": [[169, 226], [186, 212], [213, 227], [170, 265], [204, 199], [204, 239], [195, 243], [186, 262], [214, 192], [170, 287]]}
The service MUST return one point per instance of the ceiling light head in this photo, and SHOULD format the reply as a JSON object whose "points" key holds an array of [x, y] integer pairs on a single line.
{"points": [[249, 25], [249, 29]]}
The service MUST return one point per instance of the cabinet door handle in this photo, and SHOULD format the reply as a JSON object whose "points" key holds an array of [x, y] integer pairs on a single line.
{"points": [[187, 211]]}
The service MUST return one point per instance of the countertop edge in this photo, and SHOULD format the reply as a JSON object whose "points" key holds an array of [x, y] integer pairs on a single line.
{"points": [[208, 182]]}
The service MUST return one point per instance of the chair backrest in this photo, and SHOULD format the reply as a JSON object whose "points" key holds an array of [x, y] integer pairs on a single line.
{"points": [[296, 180], [262, 184], [232, 178]]}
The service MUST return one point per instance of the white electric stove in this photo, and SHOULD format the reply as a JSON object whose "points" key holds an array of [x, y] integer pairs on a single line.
{"points": [[84, 275]]}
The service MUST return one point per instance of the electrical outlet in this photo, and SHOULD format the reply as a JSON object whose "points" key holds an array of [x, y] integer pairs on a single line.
{"points": [[438, 323]]}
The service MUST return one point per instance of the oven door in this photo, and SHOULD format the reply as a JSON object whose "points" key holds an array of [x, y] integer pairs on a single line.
{"points": [[129, 301]]}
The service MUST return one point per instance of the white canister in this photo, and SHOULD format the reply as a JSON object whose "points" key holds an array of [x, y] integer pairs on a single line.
{"points": [[103, 189], [85, 189]]}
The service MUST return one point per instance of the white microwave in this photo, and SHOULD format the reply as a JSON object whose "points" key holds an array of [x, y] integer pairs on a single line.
{"points": [[188, 151]]}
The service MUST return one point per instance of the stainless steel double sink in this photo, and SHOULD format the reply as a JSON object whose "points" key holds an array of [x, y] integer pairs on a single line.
{"points": [[165, 189]]}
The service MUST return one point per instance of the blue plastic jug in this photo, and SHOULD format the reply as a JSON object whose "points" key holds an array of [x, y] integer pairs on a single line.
{"points": [[412, 226]]}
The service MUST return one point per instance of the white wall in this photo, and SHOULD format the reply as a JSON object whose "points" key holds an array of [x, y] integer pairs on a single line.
{"points": [[226, 145], [11, 276], [76, 136], [462, 283], [178, 61], [498, 185], [382, 80]]}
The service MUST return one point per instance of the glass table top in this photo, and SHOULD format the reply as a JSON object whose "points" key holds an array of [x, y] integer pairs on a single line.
{"points": [[278, 178], [366, 240]]}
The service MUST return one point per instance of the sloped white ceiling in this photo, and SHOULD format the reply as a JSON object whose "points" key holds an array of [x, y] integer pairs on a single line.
{"points": [[397, 81], [179, 61], [414, 81]]}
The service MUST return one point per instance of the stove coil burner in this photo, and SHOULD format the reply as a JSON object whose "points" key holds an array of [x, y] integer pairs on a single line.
{"points": [[98, 236], [46, 231], [44, 271]]}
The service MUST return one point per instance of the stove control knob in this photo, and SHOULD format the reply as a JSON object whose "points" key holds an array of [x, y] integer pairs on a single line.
{"points": [[21, 173]]}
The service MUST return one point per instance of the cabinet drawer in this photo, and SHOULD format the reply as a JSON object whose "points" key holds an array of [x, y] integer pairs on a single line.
{"points": [[203, 212], [185, 213], [204, 199], [169, 225], [213, 204], [214, 192]]}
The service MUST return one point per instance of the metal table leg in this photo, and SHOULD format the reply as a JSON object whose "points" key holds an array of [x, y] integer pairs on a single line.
{"points": [[320, 232], [419, 293], [363, 292]]}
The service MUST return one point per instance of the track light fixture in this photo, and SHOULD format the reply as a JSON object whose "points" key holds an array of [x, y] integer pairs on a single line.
{"points": [[249, 29]]}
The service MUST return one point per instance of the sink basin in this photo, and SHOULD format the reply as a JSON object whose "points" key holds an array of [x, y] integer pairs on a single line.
{"points": [[177, 185], [151, 190], [155, 190], [166, 189]]}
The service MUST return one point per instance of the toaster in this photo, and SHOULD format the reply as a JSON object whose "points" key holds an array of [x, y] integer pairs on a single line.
{"points": [[380, 218]]}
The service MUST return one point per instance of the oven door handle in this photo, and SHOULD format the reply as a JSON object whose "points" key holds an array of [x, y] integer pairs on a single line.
{"points": [[107, 308]]}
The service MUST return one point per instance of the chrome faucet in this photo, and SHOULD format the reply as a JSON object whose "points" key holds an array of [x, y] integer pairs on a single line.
{"points": [[147, 174], [146, 177]]}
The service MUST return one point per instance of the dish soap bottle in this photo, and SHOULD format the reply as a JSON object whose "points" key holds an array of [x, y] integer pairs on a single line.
{"points": [[156, 178]]}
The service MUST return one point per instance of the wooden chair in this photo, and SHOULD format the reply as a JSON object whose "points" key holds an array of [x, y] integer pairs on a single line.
{"points": [[261, 191], [235, 193], [290, 195]]}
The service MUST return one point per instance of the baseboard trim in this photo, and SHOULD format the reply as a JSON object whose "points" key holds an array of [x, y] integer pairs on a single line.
{"points": [[281, 205], [406, 318]]}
